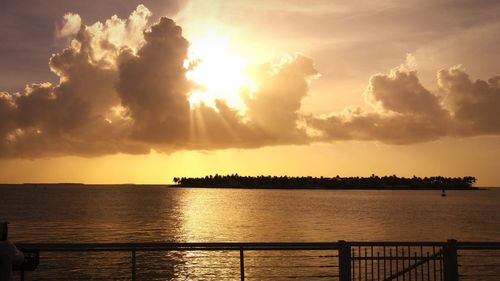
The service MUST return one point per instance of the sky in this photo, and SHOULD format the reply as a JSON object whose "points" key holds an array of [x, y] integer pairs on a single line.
{"points": [[142, 91]]}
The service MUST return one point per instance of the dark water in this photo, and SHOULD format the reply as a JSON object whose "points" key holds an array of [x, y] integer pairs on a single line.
{"points": [[146, 214]]}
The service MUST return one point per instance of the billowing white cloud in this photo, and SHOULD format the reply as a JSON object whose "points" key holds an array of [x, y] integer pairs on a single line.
{"points": [[71, 25]]}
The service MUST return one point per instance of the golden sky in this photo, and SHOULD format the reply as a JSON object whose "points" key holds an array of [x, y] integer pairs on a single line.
{"points": [[148, 90]]}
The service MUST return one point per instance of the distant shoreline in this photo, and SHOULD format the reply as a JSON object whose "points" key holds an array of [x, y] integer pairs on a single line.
{"points": [[372, 182], [70, 185], [326, 188]]}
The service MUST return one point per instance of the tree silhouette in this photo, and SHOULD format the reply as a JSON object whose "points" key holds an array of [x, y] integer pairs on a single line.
{"points": [[337, 182]]}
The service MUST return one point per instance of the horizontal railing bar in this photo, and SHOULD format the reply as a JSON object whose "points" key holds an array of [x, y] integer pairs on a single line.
{"points": [[394, 258], [478, 255], [189, 266], [218, 277], [480, 275], [293, 256], [290, 266], [481, 265], [287, 276], [478, 245], [396, 243], [195, 246], [214, 257]]}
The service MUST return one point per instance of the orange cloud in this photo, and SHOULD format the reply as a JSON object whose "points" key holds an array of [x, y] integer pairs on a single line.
{"points": [[404, 112]]}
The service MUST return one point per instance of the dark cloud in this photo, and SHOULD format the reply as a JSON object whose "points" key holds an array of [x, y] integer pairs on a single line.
{"points": [[154, 87], [401, 93]]}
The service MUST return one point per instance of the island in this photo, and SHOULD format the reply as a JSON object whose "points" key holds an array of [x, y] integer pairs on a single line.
{"points": [[286, 182]]}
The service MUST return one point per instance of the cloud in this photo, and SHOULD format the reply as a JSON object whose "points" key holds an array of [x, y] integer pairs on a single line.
{"points": [[275, 106], [154, 88], [273, 110], [28, 29], [403, 111], [153, 85], [400, 92], [75, 116], [71, 25], [474, 104], [7, 111], [123, 89]]}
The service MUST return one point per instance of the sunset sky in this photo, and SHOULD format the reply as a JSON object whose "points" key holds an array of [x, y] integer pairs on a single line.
{"points": [[116, 91]]}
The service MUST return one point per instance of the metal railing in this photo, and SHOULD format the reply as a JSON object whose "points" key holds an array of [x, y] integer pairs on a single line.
{"points": [[397, 261], [340, 260]]}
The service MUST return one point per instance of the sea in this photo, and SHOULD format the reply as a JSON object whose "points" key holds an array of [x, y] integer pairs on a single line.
{"points": [[140, 213]]}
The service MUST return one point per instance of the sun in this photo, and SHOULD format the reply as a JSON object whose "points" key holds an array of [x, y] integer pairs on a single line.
{"points": [[218, 72]]}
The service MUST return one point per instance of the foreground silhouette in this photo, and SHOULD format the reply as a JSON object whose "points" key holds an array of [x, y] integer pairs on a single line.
{"points": [[373, 182], [9, 254]]}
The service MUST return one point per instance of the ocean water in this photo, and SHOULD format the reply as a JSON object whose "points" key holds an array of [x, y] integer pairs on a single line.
{"points": [[153, 213]]}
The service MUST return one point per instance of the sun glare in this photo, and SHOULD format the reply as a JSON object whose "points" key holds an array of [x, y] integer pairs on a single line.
{"points": [[218, 71]]}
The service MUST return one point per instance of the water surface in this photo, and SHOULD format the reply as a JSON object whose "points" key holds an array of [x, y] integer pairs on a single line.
{"points": [[144, 214], [151, 213]]}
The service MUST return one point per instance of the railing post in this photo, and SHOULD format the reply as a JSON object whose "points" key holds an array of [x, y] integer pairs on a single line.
{"points": [[242, 265], [450, 259], [344, 261], [4, 231], [133, 265]]}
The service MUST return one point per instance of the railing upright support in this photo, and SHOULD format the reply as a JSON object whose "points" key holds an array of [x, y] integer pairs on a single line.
{"points": [[133, 265], [242, 265], [4, 231], [344, 261], [450, 260]]}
